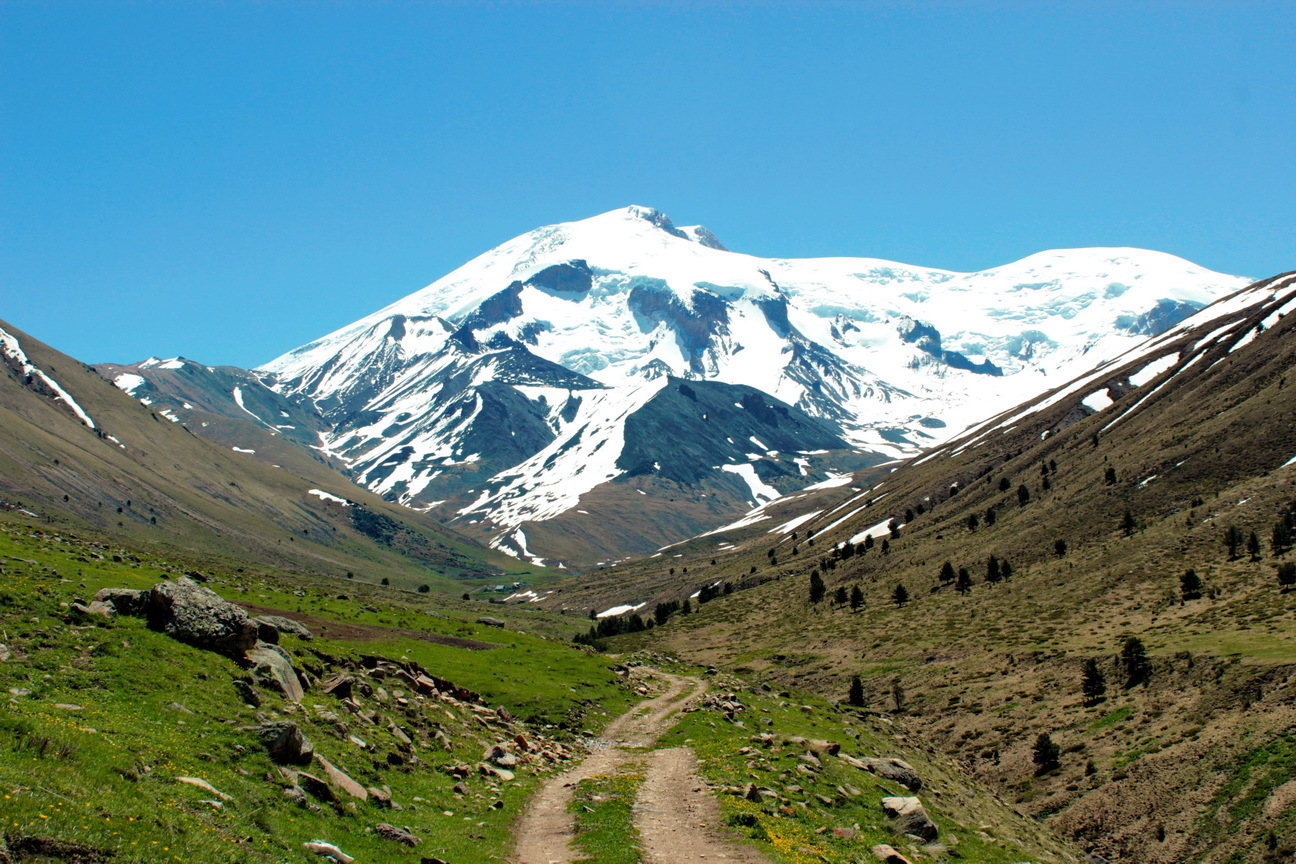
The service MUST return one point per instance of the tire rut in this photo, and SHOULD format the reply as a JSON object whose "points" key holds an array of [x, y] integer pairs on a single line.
{"points": [[672, 808]]}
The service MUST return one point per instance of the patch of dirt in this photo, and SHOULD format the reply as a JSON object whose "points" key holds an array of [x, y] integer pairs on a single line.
{"points": [[671, 811], [352, 632], [21, 848]]}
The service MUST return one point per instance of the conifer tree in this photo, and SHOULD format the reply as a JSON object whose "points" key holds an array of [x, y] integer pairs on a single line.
{"points": [[1253, 546], [947, 572], [1190, 586], [1135, 660], [1233, 540], [1287, 575], [1023, 495], [816, 586], [841, 596], [1005, 570], [1045, 754], [992, 570], [900, 595], [856, 695], [1092, 682], [1127, 524], [964, 583], [856, 598]]}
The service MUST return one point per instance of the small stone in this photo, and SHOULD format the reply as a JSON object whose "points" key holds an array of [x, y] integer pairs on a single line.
{"points": [[400, 835], [203, 784], [69, 706], [888, 855]]}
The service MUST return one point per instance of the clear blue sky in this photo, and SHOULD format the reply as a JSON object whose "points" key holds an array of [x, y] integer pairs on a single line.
{"points": [[230, 180]]}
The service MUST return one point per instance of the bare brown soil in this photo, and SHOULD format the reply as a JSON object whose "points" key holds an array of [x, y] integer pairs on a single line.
{"points": [[351, 632], [673, 810]]}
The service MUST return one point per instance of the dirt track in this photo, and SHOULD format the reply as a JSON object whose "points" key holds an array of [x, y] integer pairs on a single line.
{"points": [[673, 812]]}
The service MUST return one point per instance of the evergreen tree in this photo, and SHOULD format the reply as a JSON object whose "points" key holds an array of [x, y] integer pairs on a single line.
{"points": [[964, 583], [856, 695], [1190, 586], [868, 541], [1004, 484], [1233, 540], [990, 516], [1092, 682], [900, 595], [973, 522], [1110, 476], [1135, 660], [1253, 546], [856, 598], [1005, 570], [886, 547], [1023, 495], [1127, 524], [1060, 547], [1046, 754], [840, 597], [992, 570], [1281, 539], [687, 608], [816, 587], [894, 527], [424, 589], [947, 572], [1287, 575]]}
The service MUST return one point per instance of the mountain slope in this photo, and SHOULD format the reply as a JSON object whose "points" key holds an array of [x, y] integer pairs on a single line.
{"points": [[455, 398], [1101, 496], [74, 447]]}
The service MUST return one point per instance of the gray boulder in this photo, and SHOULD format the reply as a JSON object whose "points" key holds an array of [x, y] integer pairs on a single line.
{"points": [[286, 743], [124, 601], [490, 622], [286, 625], [272, 667], [909, 817], [896, 770], [197, 615]]}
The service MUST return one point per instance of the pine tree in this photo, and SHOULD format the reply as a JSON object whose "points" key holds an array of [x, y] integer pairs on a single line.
{"points": [[1127, 524], [1190, 586], [1092, 682], [1253, 546], [1004, 484], [990, 516], [947, 572], [1233, 540], [841, 596], [973, 522], [1281, 538], [964, 583], [900, 595], [1023, 495], [816, 587], [1110, 476], [1135, 660], [992, 570], [1005, 570], [1060, 547], [1287, 575], [856, 695], [1046, 754], [856, 598]]}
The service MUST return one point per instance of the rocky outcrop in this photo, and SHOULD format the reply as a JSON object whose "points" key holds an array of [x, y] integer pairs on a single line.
{"points": [[201, 617], [272, 667], [908, 816], [122, 601], [279, 624]]}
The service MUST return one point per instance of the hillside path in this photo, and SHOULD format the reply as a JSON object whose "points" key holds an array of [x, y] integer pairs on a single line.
{"points": [[673, 810]]}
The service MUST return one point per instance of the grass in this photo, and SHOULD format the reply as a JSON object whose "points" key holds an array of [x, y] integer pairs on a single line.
{"points": [[146, 709], [603, 807]]}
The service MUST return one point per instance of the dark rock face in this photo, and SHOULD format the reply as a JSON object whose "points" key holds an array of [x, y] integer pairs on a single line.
{"points": [[199, 616], [286, 743], [570, 277], [1164, 315]]}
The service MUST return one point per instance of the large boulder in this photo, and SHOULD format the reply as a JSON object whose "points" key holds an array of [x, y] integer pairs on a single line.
{"points": [[197, 615], [896, 770], [286, 743], [285, 625], [909, 817], [273, 668]]}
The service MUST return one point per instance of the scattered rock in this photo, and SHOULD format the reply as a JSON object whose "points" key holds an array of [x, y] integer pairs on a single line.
{"points": [[342, 781], [5, 653], [316, 787], [887, 855], [286, 743], [287, 625], [272, 667], [328, 850], [381, 796], [247, 692], [400, 835], [339, 686], [69, 706], [123, 601], [205, 786], [490, 622], [499, 754], [199, 616], [896, 770], [498, 773], [909, 817]]}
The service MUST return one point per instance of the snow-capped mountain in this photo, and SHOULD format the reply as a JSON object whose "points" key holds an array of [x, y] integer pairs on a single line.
{"points": [[515, 391]]}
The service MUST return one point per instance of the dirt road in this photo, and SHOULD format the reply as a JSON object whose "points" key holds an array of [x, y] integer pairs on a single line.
{"points": [[673, 812]]}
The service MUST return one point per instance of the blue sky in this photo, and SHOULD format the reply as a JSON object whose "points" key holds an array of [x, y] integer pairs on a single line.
{"points": [[227, 181]]}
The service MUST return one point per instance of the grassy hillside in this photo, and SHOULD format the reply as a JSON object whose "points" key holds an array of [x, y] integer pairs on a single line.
{"points": [[1188, 760], [103, 715], [141, 477]]}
